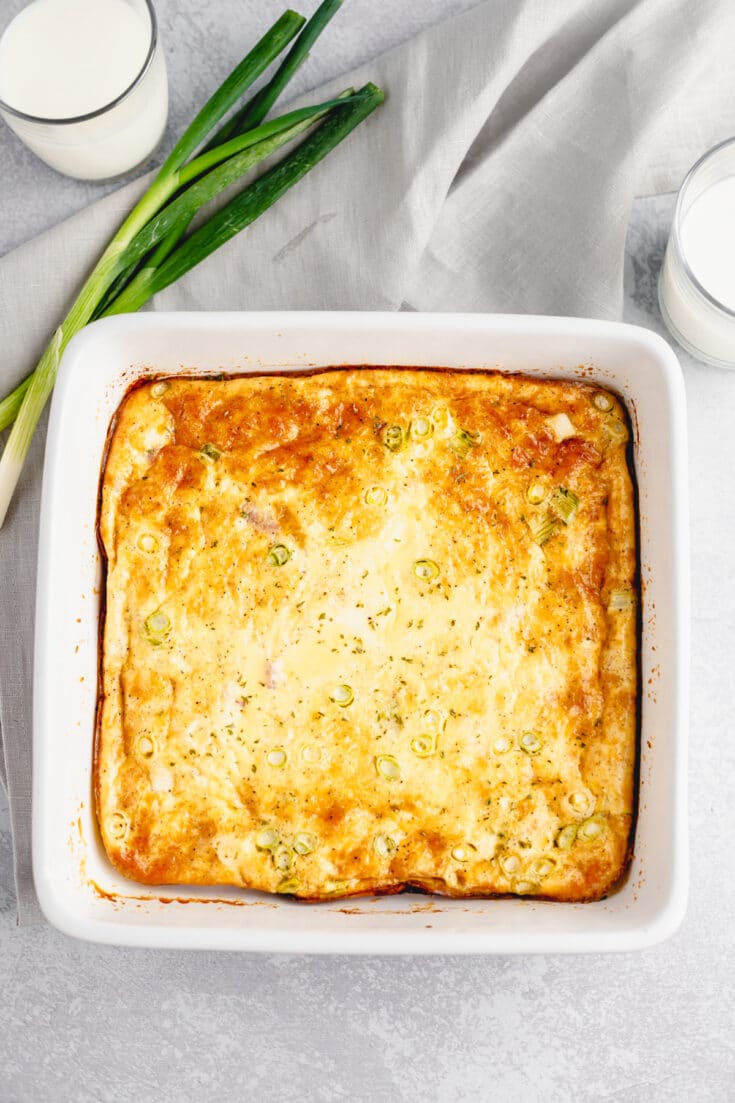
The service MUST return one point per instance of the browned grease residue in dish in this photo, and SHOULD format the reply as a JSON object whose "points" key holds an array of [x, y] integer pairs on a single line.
{"points": [[118, 898], [76, 843]]}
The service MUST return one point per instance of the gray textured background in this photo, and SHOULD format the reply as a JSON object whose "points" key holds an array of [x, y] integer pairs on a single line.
{"points": [[87, 1023]]}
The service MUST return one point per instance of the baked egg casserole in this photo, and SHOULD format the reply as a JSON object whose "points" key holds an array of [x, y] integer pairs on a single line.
{"points": [[369, 628]]}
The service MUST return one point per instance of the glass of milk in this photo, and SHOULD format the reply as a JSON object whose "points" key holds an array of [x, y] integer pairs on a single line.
{"points": [[696, 288], [83, 83]]}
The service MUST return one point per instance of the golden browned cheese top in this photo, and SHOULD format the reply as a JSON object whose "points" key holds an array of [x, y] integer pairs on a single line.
{"points": [[369, 627]]}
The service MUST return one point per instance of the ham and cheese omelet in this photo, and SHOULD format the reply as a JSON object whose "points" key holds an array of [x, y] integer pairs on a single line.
{"points": [[369, 628]]}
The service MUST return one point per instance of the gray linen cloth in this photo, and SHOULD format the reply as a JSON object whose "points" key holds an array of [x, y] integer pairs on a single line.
{"points": [[497, 177]]}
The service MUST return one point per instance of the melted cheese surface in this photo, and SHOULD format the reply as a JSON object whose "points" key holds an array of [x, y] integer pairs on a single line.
{"points": [[367, 628]]}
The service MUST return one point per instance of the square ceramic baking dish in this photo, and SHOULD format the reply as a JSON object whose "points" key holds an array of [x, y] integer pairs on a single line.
{"points": [[79, 890]]}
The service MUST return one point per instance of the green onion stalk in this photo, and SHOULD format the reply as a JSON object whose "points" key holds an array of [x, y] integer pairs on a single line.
{"points": [[150, 250], [250, 115]]}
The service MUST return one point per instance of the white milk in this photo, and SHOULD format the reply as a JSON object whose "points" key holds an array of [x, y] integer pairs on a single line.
{"points": [[708, 240], [703, 246], [61, 59]]}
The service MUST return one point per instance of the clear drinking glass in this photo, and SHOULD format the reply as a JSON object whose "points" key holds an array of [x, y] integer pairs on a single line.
{"points": [[702, 324], [116, 137]]}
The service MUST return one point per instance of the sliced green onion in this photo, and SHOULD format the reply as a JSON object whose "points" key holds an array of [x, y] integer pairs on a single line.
{"points": [[277, 757], [342, 696], [226, 851], [441, 417], [603, 401], [376, 496], [336, 888], [463, 442], [157, 628], [394, 438], [566, 836], [210, 451], [542, 867], [564, 503], [279, 555], [462, 853], [547, 528], [536, 493], [511, 864], [433, 719], [615, 429], [561, 426], [426, 569], [387, 767], [525, 888], [159, 389], [310, 753], [590, 829], [283, 858], [145, 746], [304, 842], [267, 839], [621, 600], [581, 802], [117, 825], [424, 745], [384, 845], [147, 543], [289, 886], [530, 743], [421, 428], [501, 745]]}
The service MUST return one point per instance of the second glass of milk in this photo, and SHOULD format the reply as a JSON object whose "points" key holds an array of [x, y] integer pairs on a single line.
{"points": [[83, 84], [696, 288]]}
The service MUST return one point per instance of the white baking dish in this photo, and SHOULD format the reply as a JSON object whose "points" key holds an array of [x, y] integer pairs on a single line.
{"points": [[78, 888]]}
